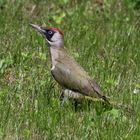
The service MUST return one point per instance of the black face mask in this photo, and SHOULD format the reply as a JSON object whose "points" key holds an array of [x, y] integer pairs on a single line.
{"points": [[49, 33]]}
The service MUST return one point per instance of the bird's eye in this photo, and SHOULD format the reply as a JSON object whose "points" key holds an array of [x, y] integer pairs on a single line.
{"points": [[50, 32]]}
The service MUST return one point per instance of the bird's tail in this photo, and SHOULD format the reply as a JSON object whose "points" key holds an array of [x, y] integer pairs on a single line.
{"points": [[106, 99], [111, 103]]}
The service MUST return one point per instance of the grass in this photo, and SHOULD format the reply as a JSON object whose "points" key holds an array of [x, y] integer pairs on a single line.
{"points": [[104, 40]]}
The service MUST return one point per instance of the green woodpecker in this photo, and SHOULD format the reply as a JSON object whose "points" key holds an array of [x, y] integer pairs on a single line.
{"points": [[73, 79]]}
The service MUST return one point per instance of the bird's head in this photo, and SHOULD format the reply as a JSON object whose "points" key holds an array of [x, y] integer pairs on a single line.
{"points": [[53, 36]]}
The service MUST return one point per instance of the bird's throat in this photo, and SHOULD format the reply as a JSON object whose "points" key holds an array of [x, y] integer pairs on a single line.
{"points": [[54, 55]]}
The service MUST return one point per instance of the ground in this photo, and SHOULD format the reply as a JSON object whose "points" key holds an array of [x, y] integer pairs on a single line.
{"points": [[103, 38]]}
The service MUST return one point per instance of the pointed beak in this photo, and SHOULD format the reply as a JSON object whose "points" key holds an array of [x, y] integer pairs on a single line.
{"points": [[38, 28]]}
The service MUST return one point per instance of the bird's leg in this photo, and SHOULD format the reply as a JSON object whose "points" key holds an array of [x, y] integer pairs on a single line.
{"points": [[75, 104], [61, 97], [64, 95]]}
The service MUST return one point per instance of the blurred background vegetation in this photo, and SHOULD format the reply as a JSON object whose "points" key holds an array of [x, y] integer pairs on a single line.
{"points": [[102, 35]]}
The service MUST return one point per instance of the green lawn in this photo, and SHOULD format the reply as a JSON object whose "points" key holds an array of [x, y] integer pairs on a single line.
{"points": [[105, 40]]}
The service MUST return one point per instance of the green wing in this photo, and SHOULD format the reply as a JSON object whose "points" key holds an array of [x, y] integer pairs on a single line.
{"points": [[69, 74]]}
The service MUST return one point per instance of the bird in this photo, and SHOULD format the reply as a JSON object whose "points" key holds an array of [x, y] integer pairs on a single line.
{"points": [[74, 80]]}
